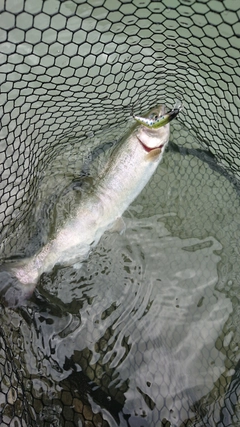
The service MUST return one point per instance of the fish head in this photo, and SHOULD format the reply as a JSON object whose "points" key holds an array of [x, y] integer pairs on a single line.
{"points": [[152, 138]]}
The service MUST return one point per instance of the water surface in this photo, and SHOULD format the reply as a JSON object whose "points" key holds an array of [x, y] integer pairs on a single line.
{"points": [[146, 331]]}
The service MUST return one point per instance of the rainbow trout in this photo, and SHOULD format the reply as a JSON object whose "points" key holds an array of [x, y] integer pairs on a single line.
{"points": [[129, 168]]}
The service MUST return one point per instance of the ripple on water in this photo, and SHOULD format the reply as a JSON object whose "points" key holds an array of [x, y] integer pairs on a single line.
{"points": [[147, 312]]}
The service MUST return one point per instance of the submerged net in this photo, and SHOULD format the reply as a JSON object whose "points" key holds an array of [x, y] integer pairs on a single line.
{"points": [[71, 68], [69, 71]]}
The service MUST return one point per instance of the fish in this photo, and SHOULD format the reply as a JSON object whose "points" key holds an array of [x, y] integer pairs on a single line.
{"points": [[130, 166]]}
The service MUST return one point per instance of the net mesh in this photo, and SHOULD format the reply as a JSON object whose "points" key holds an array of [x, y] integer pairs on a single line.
{"points": [[69, 70]]}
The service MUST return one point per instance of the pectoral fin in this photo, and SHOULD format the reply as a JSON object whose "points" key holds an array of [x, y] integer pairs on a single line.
{"points": [[154, 153], [119, 226]]}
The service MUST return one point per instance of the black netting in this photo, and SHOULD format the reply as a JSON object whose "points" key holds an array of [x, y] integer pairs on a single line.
{"points": [[71, 71]]}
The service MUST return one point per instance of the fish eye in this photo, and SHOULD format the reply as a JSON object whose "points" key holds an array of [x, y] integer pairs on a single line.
{"points": [[153, 116]]}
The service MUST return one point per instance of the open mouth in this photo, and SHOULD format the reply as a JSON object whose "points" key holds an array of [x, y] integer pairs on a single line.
{"points": [[148, 149]]}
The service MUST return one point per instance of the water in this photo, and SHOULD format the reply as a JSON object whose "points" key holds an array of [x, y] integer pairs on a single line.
{"points": [[146, 332]]}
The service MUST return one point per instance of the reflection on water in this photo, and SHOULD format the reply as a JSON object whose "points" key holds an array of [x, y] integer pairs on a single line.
{"points": [[145, 333]]}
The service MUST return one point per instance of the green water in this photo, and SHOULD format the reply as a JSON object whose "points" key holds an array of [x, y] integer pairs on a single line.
{"points": [[146, 331]]}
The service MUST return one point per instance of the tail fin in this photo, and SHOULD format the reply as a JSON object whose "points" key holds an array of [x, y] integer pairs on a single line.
{"points": [[13, 291]]}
